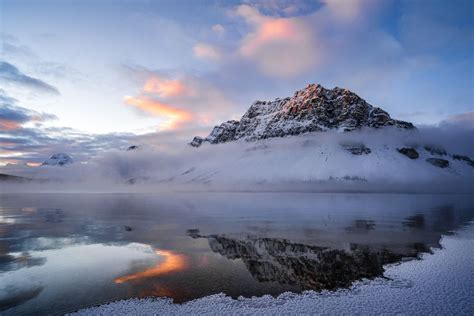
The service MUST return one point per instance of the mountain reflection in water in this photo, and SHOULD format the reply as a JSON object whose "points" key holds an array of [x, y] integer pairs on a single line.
{"points": [[305, 266]]}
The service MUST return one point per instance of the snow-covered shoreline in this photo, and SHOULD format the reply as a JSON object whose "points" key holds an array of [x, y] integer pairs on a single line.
{"points": [[442, 283]]}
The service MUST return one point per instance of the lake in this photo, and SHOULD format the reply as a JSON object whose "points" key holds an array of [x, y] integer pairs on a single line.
{"points": [[61, 252]]}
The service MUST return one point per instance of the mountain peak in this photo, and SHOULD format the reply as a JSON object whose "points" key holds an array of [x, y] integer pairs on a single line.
{"points": [[59, 159], [312, 109]]}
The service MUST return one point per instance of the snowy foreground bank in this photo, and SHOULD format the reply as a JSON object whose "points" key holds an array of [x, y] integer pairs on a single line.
{"points": [[440, 284]]}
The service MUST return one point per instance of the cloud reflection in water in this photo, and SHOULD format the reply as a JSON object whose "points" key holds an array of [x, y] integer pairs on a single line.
{"points": [[172, 262]]}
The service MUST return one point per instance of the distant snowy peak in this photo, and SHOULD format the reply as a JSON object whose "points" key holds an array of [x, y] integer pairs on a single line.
{"points": [[313, 109], [59, 159]]}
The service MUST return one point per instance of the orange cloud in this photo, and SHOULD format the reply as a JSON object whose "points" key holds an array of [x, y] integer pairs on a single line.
{"points": [[175, 117], [164, 87], [34, 164], [180, 102], [7, 125], [172, 263]]}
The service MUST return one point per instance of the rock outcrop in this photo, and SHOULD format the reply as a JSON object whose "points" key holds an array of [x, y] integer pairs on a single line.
{"points": [[409, 152], [441, 163], [466, 159], [132, 147], [357, 149], [312, 109], [435, 150]]}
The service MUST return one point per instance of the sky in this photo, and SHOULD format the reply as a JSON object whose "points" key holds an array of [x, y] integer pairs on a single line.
{"points": [[84, 77]]}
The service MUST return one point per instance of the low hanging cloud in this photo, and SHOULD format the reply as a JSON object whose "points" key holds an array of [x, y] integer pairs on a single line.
{"points": [[12, 75], [258, 165]]}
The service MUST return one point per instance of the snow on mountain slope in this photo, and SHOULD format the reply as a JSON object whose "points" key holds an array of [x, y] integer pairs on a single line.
{"points": [[312, 109], [360, 157]]}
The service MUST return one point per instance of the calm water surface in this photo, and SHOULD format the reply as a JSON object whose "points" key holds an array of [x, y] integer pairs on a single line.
{"points": [[61, 252]]}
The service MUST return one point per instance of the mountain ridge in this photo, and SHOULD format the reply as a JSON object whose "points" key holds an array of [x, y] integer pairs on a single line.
{"points": [[312, 109]]}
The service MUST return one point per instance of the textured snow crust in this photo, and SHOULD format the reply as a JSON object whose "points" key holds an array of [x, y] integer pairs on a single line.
{"points": [[440, 284]]}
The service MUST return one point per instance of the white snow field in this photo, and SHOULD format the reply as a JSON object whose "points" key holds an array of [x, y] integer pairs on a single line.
{"points": [[440, 284]]}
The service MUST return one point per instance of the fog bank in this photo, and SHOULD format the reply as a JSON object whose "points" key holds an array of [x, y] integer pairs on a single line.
{"points": [[320, 161]]}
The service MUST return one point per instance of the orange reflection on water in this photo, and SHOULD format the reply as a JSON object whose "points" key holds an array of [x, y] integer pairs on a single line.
{"points": [[172, 263]]}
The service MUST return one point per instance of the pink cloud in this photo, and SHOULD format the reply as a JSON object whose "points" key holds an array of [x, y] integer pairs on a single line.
{"points": [[164, 87], [282, 47], [206, 51], [181, 102], [288, 46]]}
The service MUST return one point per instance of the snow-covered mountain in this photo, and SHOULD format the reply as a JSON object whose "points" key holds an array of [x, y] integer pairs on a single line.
{"points": [[383, 159], [330, 136], [312, 109], [59, 159]]}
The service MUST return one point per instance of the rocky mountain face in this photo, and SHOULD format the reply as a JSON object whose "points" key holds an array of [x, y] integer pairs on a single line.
{"points": [[312, 109], [59, 159]]}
